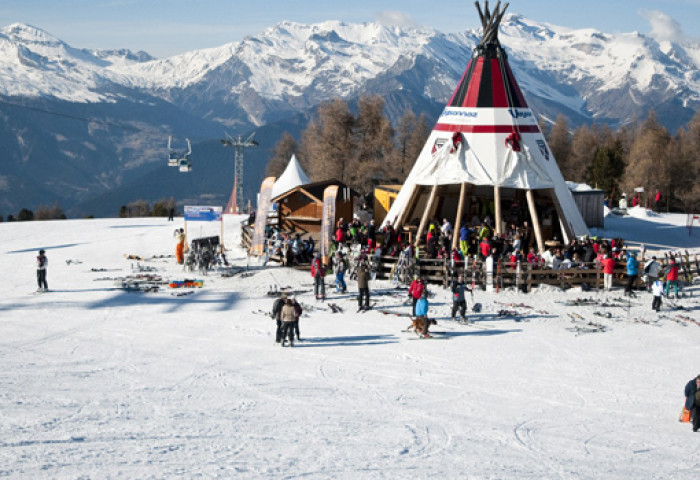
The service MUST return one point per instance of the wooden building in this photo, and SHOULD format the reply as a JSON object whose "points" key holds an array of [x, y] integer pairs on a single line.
{"points": [[384, 196], [590, 203], [300, 209]]}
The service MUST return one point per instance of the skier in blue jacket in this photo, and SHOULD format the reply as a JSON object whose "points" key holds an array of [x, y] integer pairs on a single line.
{"points": [[632, 271], [422, 312]]}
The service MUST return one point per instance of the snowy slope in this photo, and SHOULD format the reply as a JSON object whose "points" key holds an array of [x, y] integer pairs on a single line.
{"points": [[101, 383]]}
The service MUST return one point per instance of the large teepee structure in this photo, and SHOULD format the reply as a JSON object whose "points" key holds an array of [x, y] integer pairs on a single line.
{"points": [[487, 155]]}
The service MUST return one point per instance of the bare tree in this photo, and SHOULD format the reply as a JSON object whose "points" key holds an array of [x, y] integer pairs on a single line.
{"points": [[283, 151], [374, 139], [685, 174], [328, 142], [649, 163], [559, 140], [584, 145], [54, 212], [411, 134]]}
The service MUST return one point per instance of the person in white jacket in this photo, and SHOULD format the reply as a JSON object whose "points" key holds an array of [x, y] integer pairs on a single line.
{"points": [[657, 289]]}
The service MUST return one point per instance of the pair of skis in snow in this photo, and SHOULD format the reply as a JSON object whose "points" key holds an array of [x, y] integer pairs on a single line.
{"points": [[583, 326]]}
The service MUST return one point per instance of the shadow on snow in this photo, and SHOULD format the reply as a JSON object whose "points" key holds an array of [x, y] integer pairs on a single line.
{"points": [[36, 249], [172, 303]]}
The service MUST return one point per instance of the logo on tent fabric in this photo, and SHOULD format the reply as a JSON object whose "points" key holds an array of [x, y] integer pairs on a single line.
{"points": [[516, 114], [543, 149], [439, 142], [460, 113]]}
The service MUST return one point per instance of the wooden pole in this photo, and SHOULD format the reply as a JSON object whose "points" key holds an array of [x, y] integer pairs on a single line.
{"points": [[426, 214], [401, 219], [458, 220], [566, 231], [469, 193], [497, 208], [535, 220], [221, 246]]}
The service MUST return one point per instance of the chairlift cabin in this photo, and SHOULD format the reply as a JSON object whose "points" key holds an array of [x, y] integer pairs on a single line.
{"points": [[185, 166], [180, 160]]}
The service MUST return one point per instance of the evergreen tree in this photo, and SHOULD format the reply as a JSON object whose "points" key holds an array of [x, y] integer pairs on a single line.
{"points": [[25, 215], [607, 167]]}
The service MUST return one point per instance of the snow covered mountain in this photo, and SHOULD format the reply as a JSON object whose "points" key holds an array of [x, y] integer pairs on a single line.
{"points": [[285, 72], [292, 67]]}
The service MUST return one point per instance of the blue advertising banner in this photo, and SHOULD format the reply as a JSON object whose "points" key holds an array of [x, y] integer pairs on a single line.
{"points": [[203, 214]]}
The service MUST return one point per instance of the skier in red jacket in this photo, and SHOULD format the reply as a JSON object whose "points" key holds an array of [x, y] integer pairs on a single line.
{"points": [[608, 264], [415, 291], [672, 277]]}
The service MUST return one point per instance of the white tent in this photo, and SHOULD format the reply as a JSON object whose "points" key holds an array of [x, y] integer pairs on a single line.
{"points": [[292, 177], [487, 136]]}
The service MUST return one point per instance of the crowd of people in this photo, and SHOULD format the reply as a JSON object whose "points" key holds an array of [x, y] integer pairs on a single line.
{"points": [[477, 240]]}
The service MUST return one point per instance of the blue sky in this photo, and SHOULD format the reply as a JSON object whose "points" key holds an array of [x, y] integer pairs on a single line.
{"points": [[167, 27]]}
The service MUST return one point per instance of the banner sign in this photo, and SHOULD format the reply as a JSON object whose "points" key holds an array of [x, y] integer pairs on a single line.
{"points": [[203, 214], [328, 221], [257, 245]]}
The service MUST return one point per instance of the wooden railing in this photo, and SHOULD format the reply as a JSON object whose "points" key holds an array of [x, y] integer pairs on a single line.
{"points": [[441, 271]]}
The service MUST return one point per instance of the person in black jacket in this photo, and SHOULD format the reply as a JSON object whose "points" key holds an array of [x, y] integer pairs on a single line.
{"points": [[297, 311], [459, 303], [692, 401], [277, 316], [363, 287], [41, 263], [371, 236]]}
